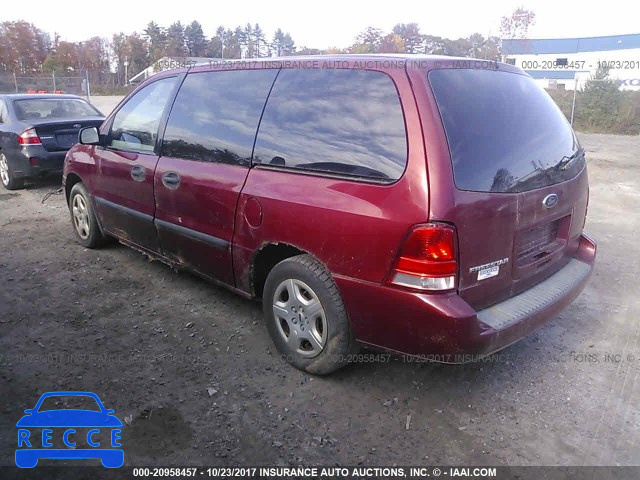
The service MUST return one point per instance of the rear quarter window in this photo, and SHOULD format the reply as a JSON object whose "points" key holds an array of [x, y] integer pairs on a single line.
{"points": [[343, 122]]}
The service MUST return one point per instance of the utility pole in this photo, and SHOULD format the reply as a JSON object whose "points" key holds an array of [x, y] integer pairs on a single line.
{"points": [[88, 87], [575, 91]]}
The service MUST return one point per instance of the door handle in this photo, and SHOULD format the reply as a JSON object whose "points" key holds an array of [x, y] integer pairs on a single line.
{"points": [[138, 173], [171, 180]]}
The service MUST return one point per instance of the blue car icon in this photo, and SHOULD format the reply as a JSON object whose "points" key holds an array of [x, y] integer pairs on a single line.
{"points": [[32, 446]]}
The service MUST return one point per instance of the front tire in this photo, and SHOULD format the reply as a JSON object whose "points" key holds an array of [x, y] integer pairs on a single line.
{"points": [[83, 218], [7, 175], [305, 316]]}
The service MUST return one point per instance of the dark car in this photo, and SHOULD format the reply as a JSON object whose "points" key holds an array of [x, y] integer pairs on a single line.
{"points": [[36, 131], [424, 205]]}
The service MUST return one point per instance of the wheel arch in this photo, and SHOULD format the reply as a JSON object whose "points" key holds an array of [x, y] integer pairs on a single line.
{"points": [[267, 257], [71, 180]]}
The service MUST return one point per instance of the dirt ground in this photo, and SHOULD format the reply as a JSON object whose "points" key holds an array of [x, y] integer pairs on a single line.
{"points": [[191, 371]]}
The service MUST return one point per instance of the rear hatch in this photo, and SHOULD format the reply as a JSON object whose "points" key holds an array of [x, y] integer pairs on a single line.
{"points": [[521, 188], [62, 135]]}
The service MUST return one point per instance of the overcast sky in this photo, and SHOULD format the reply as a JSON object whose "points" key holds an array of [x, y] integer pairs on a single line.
{"points": [[324, 23]]}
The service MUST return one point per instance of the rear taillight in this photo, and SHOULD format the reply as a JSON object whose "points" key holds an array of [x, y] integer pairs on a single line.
{"points": [[427, 260], [29, 137]]}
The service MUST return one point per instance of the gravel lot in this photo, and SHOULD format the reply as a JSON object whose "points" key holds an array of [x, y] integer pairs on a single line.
{"points": [[106, 103], [191, 370]]}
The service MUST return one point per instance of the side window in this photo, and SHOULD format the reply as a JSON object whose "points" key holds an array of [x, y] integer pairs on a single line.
{"points": [[346, 122], [135, 126], [216, 114], [4, 113]]}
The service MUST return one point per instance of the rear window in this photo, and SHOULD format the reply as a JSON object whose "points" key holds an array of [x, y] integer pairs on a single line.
{"points": [[62, 108], [505, 133], [343, 122]]}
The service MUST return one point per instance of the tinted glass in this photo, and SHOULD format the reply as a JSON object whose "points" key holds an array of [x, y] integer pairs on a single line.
{"points": [[505, 133], [346, 122], [135, 126], [58, 108], [216, 114]]}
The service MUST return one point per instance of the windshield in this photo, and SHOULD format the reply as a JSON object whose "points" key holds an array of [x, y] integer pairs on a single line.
{"points": [[505, 133], [59, 108]]}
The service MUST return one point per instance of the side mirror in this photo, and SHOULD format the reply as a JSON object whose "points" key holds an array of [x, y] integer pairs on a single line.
{"points": [[109, 411], [89, 136], [29, 411]]}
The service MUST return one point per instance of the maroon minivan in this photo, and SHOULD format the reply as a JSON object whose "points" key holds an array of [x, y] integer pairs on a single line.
{"points": [[424, 205]]}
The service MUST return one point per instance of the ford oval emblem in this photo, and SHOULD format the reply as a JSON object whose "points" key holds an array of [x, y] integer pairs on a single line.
{"points": [[550, 200]]}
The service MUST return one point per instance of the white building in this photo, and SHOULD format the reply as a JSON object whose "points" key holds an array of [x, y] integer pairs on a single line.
{"points": [[565, 63]]}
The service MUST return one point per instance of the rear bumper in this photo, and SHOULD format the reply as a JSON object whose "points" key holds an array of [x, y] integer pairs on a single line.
{"points": [[443, 327], [34, 160]]}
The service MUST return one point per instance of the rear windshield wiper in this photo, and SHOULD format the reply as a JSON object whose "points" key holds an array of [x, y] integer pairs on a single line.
{"points": [[565, 161]]}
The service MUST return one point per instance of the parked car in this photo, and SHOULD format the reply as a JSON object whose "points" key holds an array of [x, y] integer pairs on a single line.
{"points": [[424, 205], [36, 131]]}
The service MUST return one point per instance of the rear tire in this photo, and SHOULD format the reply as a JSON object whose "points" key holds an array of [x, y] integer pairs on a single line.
{"points": [[7, 175], [305, 316], [83, 218]]}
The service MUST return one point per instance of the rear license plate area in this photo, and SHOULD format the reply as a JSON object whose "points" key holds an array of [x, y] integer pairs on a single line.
{"points": [[535, 244], [67, 139]]}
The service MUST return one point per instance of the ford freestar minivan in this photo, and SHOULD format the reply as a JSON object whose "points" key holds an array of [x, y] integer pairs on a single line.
{"points": [[424, 205]]}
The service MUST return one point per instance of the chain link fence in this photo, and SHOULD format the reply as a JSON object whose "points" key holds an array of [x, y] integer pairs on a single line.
{"points": [[12, 83]]}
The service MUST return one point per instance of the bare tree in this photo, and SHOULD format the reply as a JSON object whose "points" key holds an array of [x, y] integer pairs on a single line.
{"points": [[517, 24]]}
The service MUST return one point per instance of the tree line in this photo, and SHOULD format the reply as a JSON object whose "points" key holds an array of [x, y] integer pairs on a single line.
{"points": [[27, 50]]}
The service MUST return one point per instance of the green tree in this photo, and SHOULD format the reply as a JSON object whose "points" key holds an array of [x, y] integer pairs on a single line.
{"points": [[243, 39], [434, 45], [232, 46], [195, 39], [411, 36], [491, 49], [63, 59], [283, 44], [458, 48], [368, 41], [214, 45], [260, 41], [176, 40], [308, 51], [476, 42], [601, 102], [157, 39], [137, 53]]}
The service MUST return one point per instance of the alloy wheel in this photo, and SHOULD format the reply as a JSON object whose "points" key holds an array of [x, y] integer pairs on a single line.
{"points": [[300, 318], [4, 170], [81, 216]]}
